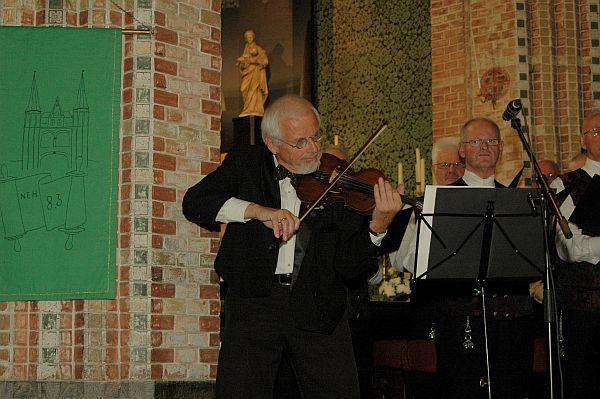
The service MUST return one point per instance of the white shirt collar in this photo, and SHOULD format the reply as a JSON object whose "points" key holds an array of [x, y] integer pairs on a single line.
{"points": [[591, 167], [473, 180]]}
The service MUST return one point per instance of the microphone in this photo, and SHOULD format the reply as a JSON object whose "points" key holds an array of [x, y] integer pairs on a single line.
{"points": [[512, 109]]}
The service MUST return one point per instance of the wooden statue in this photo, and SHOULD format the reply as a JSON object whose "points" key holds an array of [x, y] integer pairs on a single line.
{"points": [[252, 65]]}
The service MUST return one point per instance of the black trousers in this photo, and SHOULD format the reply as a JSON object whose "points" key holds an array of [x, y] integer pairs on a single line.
{"points": [[258, 331], [461, 370], [581, 331]]}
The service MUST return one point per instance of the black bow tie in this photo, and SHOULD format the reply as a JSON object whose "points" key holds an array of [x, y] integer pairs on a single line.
{"points": [[281, 173]]}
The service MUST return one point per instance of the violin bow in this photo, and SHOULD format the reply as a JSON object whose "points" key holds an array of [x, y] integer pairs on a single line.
{"points": [[380, 129]]}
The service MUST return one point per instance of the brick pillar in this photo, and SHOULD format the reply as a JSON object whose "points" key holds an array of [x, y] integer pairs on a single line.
{"points": [[449, 63], [185, 125], [568, 89], [540, 66]]}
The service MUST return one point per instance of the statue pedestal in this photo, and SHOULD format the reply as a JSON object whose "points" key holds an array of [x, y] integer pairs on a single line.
{"points": [[246, 130]]}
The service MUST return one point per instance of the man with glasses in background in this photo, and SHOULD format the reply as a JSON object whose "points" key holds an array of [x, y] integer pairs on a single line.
{"points": [[480, 146], [460, 343], [578, 270], [448, 167], [286, 280]]}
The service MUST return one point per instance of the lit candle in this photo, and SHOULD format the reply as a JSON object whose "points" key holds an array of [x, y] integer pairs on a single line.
{"points": [[336, 140], [400, 174]]}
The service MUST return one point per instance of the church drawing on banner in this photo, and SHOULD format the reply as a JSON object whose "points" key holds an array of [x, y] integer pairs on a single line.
{"points": [[49, 189]]}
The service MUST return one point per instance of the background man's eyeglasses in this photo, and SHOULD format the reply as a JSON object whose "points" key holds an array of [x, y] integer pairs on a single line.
{"points": [[446, 165], [595, 132], [303, 142], [477, 142]]}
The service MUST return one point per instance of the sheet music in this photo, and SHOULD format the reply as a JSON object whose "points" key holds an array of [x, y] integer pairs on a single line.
{"points": [[424, 232]]}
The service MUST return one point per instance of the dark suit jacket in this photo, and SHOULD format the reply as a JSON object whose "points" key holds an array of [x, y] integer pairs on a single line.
{"points": [[338, 247]]}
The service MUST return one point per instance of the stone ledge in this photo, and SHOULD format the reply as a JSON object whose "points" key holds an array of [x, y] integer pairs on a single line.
{"points": [[107, 390], [76, 389], [184, 390]]}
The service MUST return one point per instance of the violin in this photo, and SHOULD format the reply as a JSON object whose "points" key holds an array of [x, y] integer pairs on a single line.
{"points": [[353, 189], [333, 182]]}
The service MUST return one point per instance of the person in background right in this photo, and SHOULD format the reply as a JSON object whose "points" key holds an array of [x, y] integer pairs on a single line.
{"points": [[578, 274], [550, 170]]}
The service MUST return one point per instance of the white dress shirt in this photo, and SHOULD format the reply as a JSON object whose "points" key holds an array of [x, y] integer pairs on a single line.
{"points": [[404, 257], [580, 248], [473, 180], [233, 210]]}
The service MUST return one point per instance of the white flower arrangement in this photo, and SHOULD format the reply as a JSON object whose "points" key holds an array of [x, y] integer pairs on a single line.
{"points": [[393, 285]]}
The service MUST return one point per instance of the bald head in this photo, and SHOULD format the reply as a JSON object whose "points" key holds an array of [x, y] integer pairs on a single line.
{"points": [[550, 169]]}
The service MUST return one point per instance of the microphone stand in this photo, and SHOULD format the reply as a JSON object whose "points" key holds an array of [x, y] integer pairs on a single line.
{"points": [[545, 196]]}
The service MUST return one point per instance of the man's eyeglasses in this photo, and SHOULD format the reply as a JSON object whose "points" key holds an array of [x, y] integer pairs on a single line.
{"points": [[446, 165], [491, 142], [595, 132], [303, 142]]}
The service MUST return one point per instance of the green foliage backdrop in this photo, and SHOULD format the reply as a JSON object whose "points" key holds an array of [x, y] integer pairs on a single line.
{"points": [[374, 63]]}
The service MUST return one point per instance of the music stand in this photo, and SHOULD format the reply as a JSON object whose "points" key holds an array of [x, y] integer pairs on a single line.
{"points": [[471, 235]]}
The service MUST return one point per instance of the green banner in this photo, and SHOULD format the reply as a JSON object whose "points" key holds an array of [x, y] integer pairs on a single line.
{"points": [[59, 128]]}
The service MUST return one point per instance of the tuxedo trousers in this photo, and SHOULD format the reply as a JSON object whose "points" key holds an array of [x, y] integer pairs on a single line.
{"points": [[581, 330], [259, 331]]}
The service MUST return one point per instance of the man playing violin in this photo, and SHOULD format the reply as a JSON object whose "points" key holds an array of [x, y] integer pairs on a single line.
{"points": [[289, 297]]}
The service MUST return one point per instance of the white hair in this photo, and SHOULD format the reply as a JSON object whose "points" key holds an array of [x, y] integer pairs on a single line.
{"points": [[288, 106], [443, 144]]}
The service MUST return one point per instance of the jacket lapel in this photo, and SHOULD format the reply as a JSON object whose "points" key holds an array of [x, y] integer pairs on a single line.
{"points": [[269, 184]]}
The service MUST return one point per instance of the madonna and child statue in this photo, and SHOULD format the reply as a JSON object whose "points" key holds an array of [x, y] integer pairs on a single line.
{"points": [[252, 65]]}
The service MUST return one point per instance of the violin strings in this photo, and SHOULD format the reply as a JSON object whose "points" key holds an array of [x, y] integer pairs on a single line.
{"points": [[353, 183], [349, 182]]}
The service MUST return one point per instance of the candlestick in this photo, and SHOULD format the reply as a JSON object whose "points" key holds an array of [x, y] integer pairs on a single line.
{"points": [[417, 167], [422, 172], [400, 174]]}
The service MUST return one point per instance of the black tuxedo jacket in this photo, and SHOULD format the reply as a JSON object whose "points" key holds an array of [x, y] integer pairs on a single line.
{"points": [[337, 247]]}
